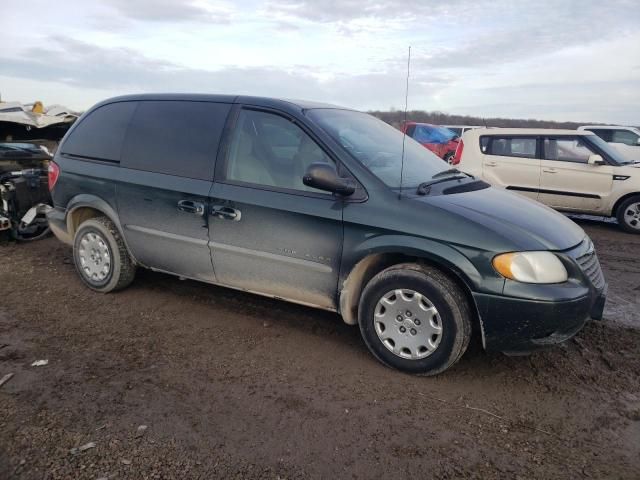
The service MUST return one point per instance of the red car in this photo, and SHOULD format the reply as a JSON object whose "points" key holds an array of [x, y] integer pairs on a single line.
{"points": [[441, 141]]}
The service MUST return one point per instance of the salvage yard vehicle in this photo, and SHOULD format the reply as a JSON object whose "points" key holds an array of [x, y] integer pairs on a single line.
{"points": [[24, 196], [441, 141], [317, 205], [569, 170], [624, 139]]}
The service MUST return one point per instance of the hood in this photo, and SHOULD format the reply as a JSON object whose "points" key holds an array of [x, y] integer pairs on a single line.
{"points": [[525, 223]]}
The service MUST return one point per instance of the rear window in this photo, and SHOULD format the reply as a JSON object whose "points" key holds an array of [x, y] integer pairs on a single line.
{"points": [[101, 133], [175, 137], [524, 147]]}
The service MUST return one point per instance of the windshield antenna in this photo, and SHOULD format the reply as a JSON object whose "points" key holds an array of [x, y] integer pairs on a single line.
{"points": [[404, 125]]}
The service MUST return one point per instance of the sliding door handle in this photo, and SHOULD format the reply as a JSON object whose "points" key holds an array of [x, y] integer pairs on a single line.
{"points": [[549, 170], [226, 213], [189, 206]]}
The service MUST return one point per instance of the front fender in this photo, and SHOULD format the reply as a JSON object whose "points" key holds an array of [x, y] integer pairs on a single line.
{"points": [[377, 253], [443, 255]]}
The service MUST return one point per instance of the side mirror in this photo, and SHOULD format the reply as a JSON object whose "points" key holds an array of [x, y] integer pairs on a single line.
{"points": [[595, 160], [324, 176]]}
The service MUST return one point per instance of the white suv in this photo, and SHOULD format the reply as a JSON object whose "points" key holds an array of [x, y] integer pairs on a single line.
{"points": [[569, 170], [625, 139]]}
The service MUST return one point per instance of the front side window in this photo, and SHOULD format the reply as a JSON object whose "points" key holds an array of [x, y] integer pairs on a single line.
{"points": [[512, 147], [625, 136], [567, 150], [379, 147], [270, 150]]}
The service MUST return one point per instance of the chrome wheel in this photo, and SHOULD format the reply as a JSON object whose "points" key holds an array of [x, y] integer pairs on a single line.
{"points": [[94, 256], [632, 215], [408, 324]]}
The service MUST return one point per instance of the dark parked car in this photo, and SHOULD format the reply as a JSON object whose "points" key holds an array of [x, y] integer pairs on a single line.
{"points": [[310, 203]]}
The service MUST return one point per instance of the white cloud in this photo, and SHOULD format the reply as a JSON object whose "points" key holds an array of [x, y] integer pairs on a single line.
{"points": [[546, 59]]}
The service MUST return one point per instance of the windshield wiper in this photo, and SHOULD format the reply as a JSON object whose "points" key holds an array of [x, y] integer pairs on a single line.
{"points": [[424, 187]]}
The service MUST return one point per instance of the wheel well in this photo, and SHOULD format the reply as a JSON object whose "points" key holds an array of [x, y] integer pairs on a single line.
{"points": [[614, 211], [79, 215], [370, 266]]}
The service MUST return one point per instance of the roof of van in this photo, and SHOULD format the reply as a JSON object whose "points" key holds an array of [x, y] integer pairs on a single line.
{"points": [[244, 99], [606, 127], [525, 131]]}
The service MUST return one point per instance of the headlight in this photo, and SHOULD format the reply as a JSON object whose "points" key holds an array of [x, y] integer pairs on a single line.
{"points": [[531, 267]]}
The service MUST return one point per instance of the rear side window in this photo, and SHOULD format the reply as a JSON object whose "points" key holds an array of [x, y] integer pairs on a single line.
{"points": [[511, 147], [101, 133], [175, 137]]}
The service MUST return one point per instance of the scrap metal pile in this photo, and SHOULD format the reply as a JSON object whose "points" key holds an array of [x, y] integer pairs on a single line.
{"points": [[28, 136]]}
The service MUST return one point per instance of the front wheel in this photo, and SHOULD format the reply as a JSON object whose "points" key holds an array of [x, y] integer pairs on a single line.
{"points": [[415, 318], [628, 214]]}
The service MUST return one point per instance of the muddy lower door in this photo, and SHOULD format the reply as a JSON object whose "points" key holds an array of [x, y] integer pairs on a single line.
{"points": [[276, 243]]}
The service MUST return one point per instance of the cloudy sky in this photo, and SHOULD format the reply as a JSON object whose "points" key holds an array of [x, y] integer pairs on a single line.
{"points": [[547, 59]]}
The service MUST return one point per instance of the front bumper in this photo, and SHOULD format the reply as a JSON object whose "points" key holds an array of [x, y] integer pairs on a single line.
{"points": [[527, 317], [522, 325]]}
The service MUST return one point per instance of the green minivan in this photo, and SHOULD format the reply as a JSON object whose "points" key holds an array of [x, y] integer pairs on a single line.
{"points": [[323, 206]]}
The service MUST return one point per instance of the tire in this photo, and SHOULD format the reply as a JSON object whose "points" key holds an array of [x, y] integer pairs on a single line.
{"points": [[449, 158], [114, 269], [628, 214], [452, 315]]}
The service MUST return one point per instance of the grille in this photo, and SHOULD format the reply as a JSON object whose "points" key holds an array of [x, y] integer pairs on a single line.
{"points": [[591, 266]]}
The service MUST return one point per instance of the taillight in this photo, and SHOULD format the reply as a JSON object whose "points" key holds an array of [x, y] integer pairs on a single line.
{"points": [[53, 173], [458, 156]]}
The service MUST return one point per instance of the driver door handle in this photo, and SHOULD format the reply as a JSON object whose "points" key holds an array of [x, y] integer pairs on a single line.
{"points": [[226, 213], [549, 170], [491, 164]]}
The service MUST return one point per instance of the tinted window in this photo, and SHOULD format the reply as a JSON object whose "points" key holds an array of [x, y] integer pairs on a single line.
{"points": [[567, 150], [512, 147], [268, 149], [625, 136], [175, 137], [100, 134]]}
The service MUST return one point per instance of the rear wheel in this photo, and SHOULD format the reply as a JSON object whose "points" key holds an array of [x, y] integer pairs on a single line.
{"points": [[415, 318], [628, 214], [101, 257]]}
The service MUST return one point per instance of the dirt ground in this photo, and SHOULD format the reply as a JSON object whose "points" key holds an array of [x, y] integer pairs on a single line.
{"points": [[232, 385]]}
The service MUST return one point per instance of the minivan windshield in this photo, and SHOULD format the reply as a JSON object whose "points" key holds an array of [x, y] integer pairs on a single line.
{"points": [[378, 146]]}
